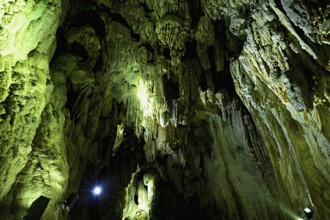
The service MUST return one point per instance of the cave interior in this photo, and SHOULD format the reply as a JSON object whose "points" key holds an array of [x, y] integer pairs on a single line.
{"points": [[164, 110]]}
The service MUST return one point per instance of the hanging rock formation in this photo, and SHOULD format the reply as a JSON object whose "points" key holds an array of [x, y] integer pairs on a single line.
{"points": [[198, 109]]}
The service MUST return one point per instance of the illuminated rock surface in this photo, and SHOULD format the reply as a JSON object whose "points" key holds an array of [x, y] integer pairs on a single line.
{"points": [[179, 109]]}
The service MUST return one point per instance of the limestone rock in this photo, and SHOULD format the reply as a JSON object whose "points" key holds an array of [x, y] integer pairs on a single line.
{"points": [[179, 109]]}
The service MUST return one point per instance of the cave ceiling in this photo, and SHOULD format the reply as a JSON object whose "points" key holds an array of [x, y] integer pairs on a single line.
{"points": [[202, 109]]}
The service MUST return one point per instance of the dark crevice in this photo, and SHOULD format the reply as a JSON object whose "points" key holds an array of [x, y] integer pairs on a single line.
{"points": [[119, 18], [193, 208], [99, 64], [71, 97], [190, 50], [146, 8], [216, 78], [167, 53], [150, 51], [196, 12], [61, 47], [149, 48], [73, 48], [171, 89], [77, 50], [93, 19], [222, 79], [233, 44], [136, 199], [203, 82]]}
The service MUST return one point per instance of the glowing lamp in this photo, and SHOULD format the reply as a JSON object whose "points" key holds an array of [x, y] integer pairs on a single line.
{"points": [[97, 190], [308, 213]]}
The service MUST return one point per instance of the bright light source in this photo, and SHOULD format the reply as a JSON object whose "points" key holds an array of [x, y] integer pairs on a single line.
{"points": [[300, 219], [307, 210], [97, 190], [308, 213]]}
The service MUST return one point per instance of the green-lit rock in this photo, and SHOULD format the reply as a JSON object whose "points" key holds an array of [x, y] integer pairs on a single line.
{"points": [[181, 109]]}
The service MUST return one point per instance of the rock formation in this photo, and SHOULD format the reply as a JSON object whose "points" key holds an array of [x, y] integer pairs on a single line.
{"points": [[197, 109]]}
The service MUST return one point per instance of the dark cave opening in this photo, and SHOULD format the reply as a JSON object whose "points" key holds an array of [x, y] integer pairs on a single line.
{"points": [[190, 50], [93, 19]]}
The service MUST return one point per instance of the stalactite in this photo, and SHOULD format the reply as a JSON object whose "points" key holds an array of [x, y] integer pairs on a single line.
{"points": [[196, 109]]}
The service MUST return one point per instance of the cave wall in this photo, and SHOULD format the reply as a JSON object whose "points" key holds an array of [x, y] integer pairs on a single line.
{"points": [[181, 109], [32, 160]]}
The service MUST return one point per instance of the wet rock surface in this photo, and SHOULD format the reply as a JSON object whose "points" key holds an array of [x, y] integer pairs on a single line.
{"points": [[180, 109]]}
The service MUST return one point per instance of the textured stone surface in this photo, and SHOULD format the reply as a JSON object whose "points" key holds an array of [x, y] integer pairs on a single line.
{"points": [[295, 129], [180, 109], [29, 164]]}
